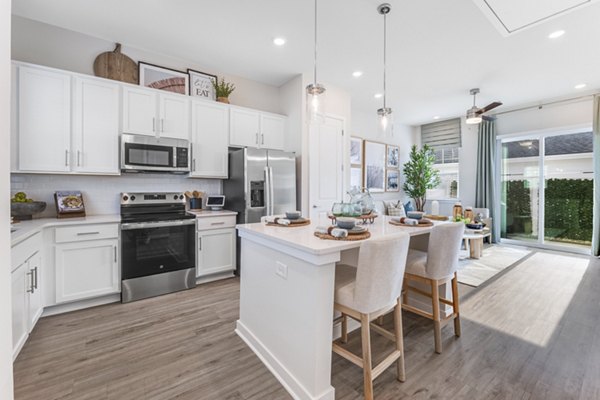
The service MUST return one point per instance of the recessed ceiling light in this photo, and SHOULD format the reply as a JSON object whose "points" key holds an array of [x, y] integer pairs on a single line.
{"points": [[580, 86], [436, 117], [556, 34], [279, 41], [378, 95], [357, 74]]}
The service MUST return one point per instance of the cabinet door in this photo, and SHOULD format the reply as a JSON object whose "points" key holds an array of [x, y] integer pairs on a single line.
{"points": [[36, 299], [96, 126], [210, 130], [139, 111], [272, 131], [244, 128], [44, 127], [86, 269], [20, 284], [174, 121], [216, 251]]}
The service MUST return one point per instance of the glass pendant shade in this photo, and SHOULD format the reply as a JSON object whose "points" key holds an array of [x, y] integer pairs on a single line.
{"points": [[386, 122], [315, 101]]}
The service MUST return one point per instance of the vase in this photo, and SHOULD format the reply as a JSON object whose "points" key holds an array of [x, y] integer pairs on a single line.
{"points": [[223, 100]]}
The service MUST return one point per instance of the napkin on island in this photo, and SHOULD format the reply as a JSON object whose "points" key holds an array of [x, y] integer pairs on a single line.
{"points": [[339, 233], [410, 221], [277, 220], [322, 229]]}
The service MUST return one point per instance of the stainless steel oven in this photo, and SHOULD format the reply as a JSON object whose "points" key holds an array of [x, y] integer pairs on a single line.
{"points": [[158, 245], [140, 153]]}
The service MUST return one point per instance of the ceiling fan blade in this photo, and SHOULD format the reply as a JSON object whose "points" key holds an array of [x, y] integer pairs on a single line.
{"points": [[489, 107]]}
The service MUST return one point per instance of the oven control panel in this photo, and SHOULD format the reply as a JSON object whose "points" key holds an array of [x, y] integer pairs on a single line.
{"points": [[153, 198]]}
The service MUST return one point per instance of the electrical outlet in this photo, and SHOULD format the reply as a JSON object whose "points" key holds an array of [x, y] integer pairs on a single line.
{"points": [[281, 270]]}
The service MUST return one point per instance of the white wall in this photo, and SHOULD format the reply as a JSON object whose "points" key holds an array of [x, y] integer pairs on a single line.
{"points": [[6, 376], [49, 45], [101, 193]]}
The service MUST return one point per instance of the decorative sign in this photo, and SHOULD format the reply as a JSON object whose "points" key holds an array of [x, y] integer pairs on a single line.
{"points": [[201, 84], [162, 78], [69, 204]]}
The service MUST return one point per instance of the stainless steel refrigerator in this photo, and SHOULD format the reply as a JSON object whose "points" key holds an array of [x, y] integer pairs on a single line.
{"points": [[261, 182]]}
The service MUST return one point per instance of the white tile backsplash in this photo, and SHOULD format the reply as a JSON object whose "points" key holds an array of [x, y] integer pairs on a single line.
{"points": [[101, 193]]}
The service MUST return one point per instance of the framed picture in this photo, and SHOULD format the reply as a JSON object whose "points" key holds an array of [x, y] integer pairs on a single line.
{"points": [[392, 181], [375, 154], [356, 177], [393, 157], [162, 78], [356, 150], [69, 204], [201, 84]]}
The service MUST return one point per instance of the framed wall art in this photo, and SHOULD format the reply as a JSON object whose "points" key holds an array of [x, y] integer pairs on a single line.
{"points": [[392, 180], [201, 84], [356, 163], [375, 159], [162, 78], [393, 157]]}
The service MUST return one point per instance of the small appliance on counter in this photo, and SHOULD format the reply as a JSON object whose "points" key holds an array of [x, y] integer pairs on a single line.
{"points": [[215, 202], [158, 245]]}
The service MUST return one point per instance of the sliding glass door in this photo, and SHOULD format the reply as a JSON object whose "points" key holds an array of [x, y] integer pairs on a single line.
{"points": [[547, 189]]}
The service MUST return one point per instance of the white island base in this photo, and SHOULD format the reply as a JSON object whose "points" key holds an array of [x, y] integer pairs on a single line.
{"points": [[286, 301]]}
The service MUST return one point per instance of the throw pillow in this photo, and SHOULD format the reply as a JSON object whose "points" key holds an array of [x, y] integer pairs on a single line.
{"points": [[394, 208]]}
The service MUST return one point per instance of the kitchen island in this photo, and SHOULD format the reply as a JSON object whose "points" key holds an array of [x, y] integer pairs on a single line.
{"points": [[286, 299]]}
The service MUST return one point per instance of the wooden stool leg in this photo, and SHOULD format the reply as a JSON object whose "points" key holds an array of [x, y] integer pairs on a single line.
{"points": [[344, 337], [405, 291], [366, 356], [455, 305], [399, 340], [435, 303], [380, 321]]}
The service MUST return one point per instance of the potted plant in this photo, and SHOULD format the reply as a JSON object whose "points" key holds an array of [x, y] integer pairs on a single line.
{"points": [[420, 175], [223, 90]]}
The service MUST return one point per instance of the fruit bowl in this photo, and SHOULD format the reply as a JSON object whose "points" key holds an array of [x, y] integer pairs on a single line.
{"points": [[24, 211]]}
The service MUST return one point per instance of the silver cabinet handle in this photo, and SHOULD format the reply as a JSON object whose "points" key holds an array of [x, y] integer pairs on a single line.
{"points": [[162, 125], [78, 158], [262, 138], [153, 124], [66, 157], [35, 270], [200, 243], [194, 165], [314, 206], [256, 137], [218, 223], [30, 290], [115, 253], [87, 233]]}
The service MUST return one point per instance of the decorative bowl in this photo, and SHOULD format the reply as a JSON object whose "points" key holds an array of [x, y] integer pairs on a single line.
{"points": [[415, 214], [476, 226], [292, 215], [345, 222], [25, 211]]}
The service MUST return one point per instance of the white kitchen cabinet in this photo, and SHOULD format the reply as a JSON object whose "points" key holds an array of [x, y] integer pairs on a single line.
{"points": [[216, 251], [148, 112], [86, 269], [44, 120], [210, 129], [96, 126], [250, 128], [19, 286]]}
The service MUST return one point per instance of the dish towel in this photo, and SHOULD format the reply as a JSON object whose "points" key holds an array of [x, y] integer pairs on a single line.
{"points": [[322, 229], [339, 233]]}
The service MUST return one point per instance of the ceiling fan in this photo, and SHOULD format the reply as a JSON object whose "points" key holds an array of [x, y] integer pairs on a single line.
{"points": [[475, 114]]}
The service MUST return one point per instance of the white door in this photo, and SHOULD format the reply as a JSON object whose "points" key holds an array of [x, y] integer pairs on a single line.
{"points": [[86, 269], [216, 251], [325, 166], [210, 130], [21, 282], [36, 299], [174, 121], [244, 128], [44, 127], [272, 131], [139, 111], [96, 126]]}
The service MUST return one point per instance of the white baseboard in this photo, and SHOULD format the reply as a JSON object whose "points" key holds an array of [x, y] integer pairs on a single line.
{"points": [[289, 382], [215, 277], [79, 305]]}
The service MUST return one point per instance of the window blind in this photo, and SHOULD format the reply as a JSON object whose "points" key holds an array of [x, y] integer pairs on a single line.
{"points": [[442, 135]]}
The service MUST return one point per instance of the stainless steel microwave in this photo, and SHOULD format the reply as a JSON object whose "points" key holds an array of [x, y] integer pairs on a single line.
{"points": [[140, 153]]}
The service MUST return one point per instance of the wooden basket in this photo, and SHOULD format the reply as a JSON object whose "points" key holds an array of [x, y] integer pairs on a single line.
{"points": [[422, 224], [349, 238]]}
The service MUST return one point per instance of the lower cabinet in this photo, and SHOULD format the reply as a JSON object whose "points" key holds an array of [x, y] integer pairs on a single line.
{"points": [[19, 308], [86, 269], [216, 248]]}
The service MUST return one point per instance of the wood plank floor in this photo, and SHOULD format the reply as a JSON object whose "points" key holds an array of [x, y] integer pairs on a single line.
{"points": [[532, 332]]}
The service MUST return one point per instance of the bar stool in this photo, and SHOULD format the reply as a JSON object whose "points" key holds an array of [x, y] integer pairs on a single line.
{"points": [[368, 291], [434, 268]]}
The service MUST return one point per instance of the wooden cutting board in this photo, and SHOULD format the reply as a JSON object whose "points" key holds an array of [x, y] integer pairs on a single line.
{"points": [[117, 66]]}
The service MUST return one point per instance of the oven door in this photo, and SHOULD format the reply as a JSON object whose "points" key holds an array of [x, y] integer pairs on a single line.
{"points": [[156, 247]]}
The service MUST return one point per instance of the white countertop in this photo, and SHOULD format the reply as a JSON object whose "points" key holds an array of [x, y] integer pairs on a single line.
{"points": [[26, 229], [209, 213], [303, 238]]}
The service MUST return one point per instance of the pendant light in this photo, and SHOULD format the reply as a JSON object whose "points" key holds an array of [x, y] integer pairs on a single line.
{"points": [[385, 113], [315, 90]]}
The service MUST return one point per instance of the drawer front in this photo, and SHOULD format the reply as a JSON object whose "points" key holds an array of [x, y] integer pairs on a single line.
{"points": [[82, 233], [22, 251], [216, 222]]}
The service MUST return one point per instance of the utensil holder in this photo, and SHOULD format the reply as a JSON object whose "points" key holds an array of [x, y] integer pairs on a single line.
{"points": [[196, 203]]}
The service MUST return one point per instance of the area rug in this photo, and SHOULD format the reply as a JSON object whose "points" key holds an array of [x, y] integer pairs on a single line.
{"points": [[494, 259]]}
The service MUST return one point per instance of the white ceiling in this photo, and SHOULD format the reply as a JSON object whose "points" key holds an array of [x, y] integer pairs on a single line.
{"points": [[437, 49]]}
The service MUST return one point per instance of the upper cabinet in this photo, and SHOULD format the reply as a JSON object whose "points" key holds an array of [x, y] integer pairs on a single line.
{"points": [[149, 112], [44, 120], [250, 128], [210, 130]]}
